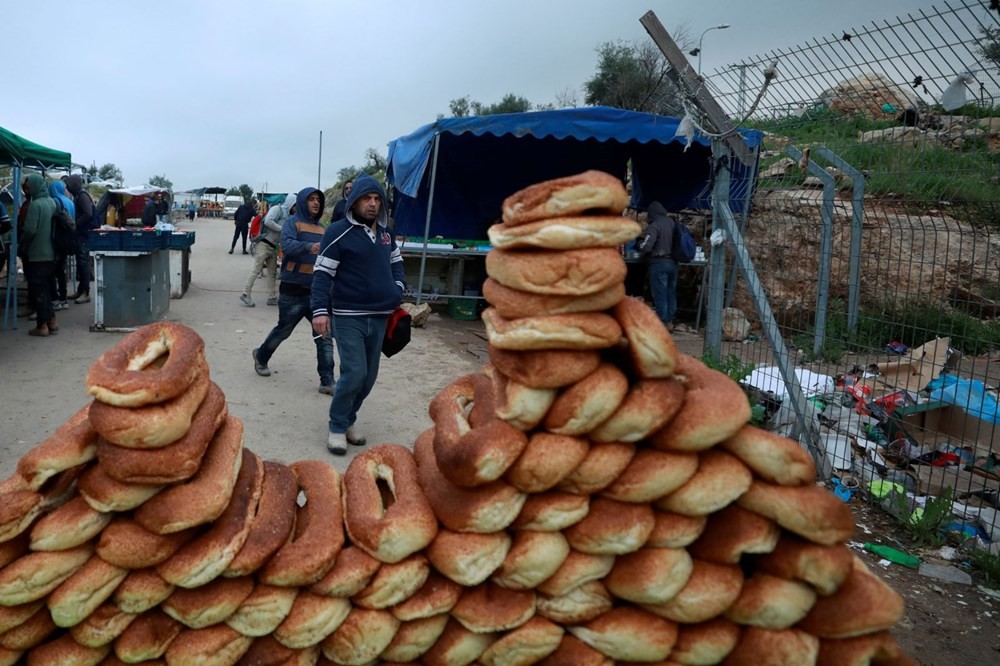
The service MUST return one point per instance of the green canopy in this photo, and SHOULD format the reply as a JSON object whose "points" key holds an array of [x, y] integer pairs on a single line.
{"points": [[18, 150]]}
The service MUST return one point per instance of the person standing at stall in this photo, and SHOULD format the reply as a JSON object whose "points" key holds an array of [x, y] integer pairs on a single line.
{"points": [[300, 237], [241, 218], [39, 256], [86, 219], [359, 281], [657, 246], [57, 190]]}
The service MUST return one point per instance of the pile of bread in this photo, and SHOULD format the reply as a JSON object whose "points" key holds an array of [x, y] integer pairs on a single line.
{"points": [[590, 497]]}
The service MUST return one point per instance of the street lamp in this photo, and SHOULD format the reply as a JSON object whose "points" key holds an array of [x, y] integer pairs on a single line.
{"points": [[697, 51]]}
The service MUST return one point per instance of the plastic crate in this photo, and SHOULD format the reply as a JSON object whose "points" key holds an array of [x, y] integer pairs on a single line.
{"points": [[106, 240], [180, 240], [463, 309], [142, 241]]}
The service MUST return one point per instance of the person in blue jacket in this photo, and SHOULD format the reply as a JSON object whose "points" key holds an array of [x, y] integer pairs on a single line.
{"points": [[358, 282], [300, 237]]}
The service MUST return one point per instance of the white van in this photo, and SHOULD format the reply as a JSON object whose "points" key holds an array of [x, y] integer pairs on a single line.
{"points": [[230, 205]]}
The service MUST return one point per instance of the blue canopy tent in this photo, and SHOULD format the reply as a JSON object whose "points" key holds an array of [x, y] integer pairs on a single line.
{"points": [[475, 163], [19, 153]]}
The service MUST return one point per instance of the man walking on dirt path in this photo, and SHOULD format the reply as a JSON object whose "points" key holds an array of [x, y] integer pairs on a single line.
{"points": [[300, 237], [359, 281]]}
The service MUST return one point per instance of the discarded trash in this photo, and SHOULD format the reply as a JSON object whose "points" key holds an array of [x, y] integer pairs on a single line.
{"points": [[893, 555], [880, 489], [945, 573], [896, 347], [838, 449], [842, 493]]}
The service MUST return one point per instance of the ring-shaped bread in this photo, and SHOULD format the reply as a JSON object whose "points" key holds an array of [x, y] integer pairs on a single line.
{"points": [[566, 233], [203, 497], [177, 461], [471, 444], [487, 508], [590, 190], [319, 531], [153, 364], [514, 303], [385, 510], [155, 425]]}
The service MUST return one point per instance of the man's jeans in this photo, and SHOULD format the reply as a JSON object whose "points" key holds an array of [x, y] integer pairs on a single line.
{"points": [[359, 343], [293, 308], [663, 284]]}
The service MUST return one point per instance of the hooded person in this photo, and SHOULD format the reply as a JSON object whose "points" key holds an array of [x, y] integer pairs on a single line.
{"points": [[57, 190], [358, 283], [266, 251], [340, 207], [39, 256], [86, 219], [657, 245], [300, 242]]}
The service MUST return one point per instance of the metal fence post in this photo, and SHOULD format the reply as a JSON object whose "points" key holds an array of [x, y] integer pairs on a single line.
{"points": [[857, 229]]}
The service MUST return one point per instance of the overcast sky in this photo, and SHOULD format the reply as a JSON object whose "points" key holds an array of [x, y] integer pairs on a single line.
{"points": [[223, 92]]}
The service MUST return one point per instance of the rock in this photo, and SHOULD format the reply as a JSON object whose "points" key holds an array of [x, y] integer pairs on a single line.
{"points": [[867, 95], [735, 326], [779, 169], [991, 125], [420, 313], [945, 573]]}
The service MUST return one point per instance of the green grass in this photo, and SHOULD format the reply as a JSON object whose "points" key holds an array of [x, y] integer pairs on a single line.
{"points": [[912, 324], [988, 566], [929, 174]]}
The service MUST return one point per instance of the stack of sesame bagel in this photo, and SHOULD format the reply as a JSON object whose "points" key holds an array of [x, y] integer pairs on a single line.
{"points": [[591, 497]]}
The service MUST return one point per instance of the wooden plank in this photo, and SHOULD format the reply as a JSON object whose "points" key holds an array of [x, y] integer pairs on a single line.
{"points": [[681, 72]]}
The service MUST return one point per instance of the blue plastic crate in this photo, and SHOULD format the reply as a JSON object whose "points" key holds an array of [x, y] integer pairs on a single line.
{"points": [[142, 241], [180, 240], [104, 240]]}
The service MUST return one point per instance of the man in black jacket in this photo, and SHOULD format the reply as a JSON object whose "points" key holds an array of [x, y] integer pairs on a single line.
{"points": [[657, 246], [86, 219], [242, 218]]}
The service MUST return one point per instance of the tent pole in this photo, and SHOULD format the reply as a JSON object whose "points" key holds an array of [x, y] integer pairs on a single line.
{"points": [[427, 223], [11, 291]]}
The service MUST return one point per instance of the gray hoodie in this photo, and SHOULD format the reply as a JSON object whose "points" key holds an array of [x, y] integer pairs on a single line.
{"points": [[270, 229]]}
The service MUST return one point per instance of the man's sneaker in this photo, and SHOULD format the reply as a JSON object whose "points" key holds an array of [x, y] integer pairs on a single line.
{"points": [[261, 369], [56, 305], [82, 298], [326, 389], [273, 300], [63, 305], [355, 438], [246, 300], [336, 443]]}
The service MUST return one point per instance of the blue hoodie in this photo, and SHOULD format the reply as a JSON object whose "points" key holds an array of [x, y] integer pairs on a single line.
{"points": [[358, 273], [57, 190], [298, 233]]}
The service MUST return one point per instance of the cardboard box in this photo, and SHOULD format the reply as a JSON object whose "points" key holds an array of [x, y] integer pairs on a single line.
{"points": [[915, 370], [938, 424]]}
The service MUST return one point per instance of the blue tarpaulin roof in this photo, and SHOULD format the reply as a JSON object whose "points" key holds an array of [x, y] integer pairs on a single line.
{"points": [[482, 160]]}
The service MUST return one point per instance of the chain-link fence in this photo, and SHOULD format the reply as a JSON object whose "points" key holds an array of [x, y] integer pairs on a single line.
{"points": [[875, 232]]}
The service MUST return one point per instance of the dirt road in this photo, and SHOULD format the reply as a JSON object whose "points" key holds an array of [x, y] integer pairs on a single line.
{"points": [[43, 379]]}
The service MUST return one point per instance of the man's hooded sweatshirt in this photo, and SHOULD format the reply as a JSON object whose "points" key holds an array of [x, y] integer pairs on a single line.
{"points": [[86, 211], [358, 272], [298, 233], [271, 228], [37, 235], [658, 242]]}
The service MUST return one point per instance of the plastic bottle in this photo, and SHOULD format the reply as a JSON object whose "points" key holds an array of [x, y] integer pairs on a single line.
{"points": [[893, 555]]}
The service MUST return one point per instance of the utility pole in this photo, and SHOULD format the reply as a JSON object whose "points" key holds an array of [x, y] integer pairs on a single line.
{"points": [[319, 169]]}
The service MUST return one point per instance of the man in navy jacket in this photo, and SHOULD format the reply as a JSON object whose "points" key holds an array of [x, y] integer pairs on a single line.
{"points": [[358, 281]]}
